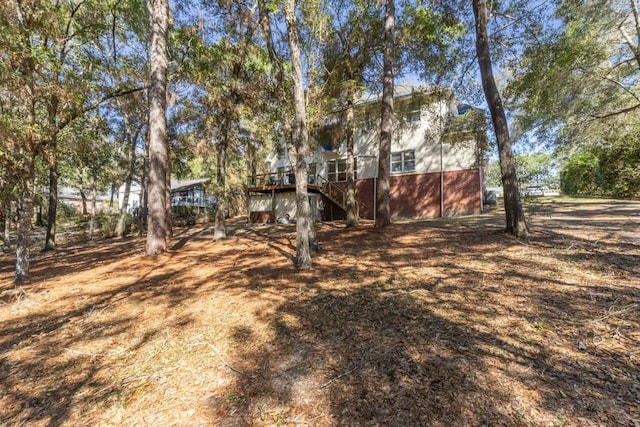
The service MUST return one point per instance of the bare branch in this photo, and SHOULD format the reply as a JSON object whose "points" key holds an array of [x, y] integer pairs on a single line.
{"points": [[623, 87], [466, 70], [118, 93], [615, 113]]}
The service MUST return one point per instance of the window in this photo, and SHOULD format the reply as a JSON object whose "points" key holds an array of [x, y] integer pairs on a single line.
{"points": [[280, 175], [403, 161], [281, 150], [411, 110], [413, 116], [312, 173], [338, 170]]}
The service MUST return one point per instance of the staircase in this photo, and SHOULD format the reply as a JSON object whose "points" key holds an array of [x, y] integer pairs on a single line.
{"points": [[336, 194]]}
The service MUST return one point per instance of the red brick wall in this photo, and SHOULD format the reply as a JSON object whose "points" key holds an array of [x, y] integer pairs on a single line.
{"points": [[415, 196], [462, 192], [364, 194], [418, 195]]}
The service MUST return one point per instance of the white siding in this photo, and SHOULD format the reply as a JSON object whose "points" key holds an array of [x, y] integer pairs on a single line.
{"points": [[260, 203], [285, 203], [423, 137]]}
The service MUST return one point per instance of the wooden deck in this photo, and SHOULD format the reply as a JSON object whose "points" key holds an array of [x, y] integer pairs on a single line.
{"points": [[280, 182]]}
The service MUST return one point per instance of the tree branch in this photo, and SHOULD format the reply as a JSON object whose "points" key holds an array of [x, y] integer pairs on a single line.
{"points": [[636, 18], [615, 113], [626, 89], [118, 93], [466, 70]]}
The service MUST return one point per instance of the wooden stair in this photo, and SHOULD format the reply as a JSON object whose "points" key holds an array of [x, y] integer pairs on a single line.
{"points": [[335, 194]]}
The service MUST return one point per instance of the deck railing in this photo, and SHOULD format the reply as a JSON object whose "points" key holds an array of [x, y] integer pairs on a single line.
{"points": [[285, 178], [277, 179]]}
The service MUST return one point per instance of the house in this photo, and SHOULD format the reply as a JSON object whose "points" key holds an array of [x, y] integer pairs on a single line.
{"points": [[133, 202], [190, 193], [80, 200], [436, 164]]}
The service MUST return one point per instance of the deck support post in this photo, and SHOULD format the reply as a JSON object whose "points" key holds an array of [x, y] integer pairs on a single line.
{"points": [[273, 205]]}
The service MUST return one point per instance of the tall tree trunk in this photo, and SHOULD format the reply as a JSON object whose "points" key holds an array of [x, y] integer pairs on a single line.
{"points": [[39, 220], [383, 208], [114, 190], [144, 193], [157, 232], [265, 24], [352, 211], [301, 142], [25, 215], [220, 231], [122, 220], [94, 200], [169, 214], [516, 224], [7, 227], [83, 196], [52, 211]]}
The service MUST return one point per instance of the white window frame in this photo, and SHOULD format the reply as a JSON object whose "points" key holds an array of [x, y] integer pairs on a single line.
{"points": [[335, 175], [406, 162], [414, 116]]}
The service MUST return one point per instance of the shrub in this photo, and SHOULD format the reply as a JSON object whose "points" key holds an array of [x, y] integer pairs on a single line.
{"points": [[107, 223]]}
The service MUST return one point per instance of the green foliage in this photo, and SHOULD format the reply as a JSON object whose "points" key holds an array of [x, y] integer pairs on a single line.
{"points": [[67, 213], [581, 174], [537, 169], [494, 176], [620, 167], [429, 40], [472, 124], [579, 85], [107, 223], [606, 167]]}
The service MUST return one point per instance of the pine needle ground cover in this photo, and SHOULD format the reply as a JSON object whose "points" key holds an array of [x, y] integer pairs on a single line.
{"points": [[439, 323]]}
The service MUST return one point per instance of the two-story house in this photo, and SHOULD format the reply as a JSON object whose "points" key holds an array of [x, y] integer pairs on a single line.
{"points": [[436, 166]]}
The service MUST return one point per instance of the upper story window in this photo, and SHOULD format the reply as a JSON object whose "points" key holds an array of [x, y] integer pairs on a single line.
{"points": [[403, 161], [312, 171], [413, 116], [337, 170], [281, 151], [411, 110]]}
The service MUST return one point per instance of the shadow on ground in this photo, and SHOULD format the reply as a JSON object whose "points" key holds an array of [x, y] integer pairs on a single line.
{"points": [[446, 322], [497, 334]]}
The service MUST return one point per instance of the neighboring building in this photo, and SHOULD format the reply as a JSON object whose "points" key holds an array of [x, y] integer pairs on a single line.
{"points": [[133, 202], [189, 193], [436, 168], [74, 198]]}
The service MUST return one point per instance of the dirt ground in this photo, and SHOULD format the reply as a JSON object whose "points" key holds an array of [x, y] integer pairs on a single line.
{"points": [[425, 323]]}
